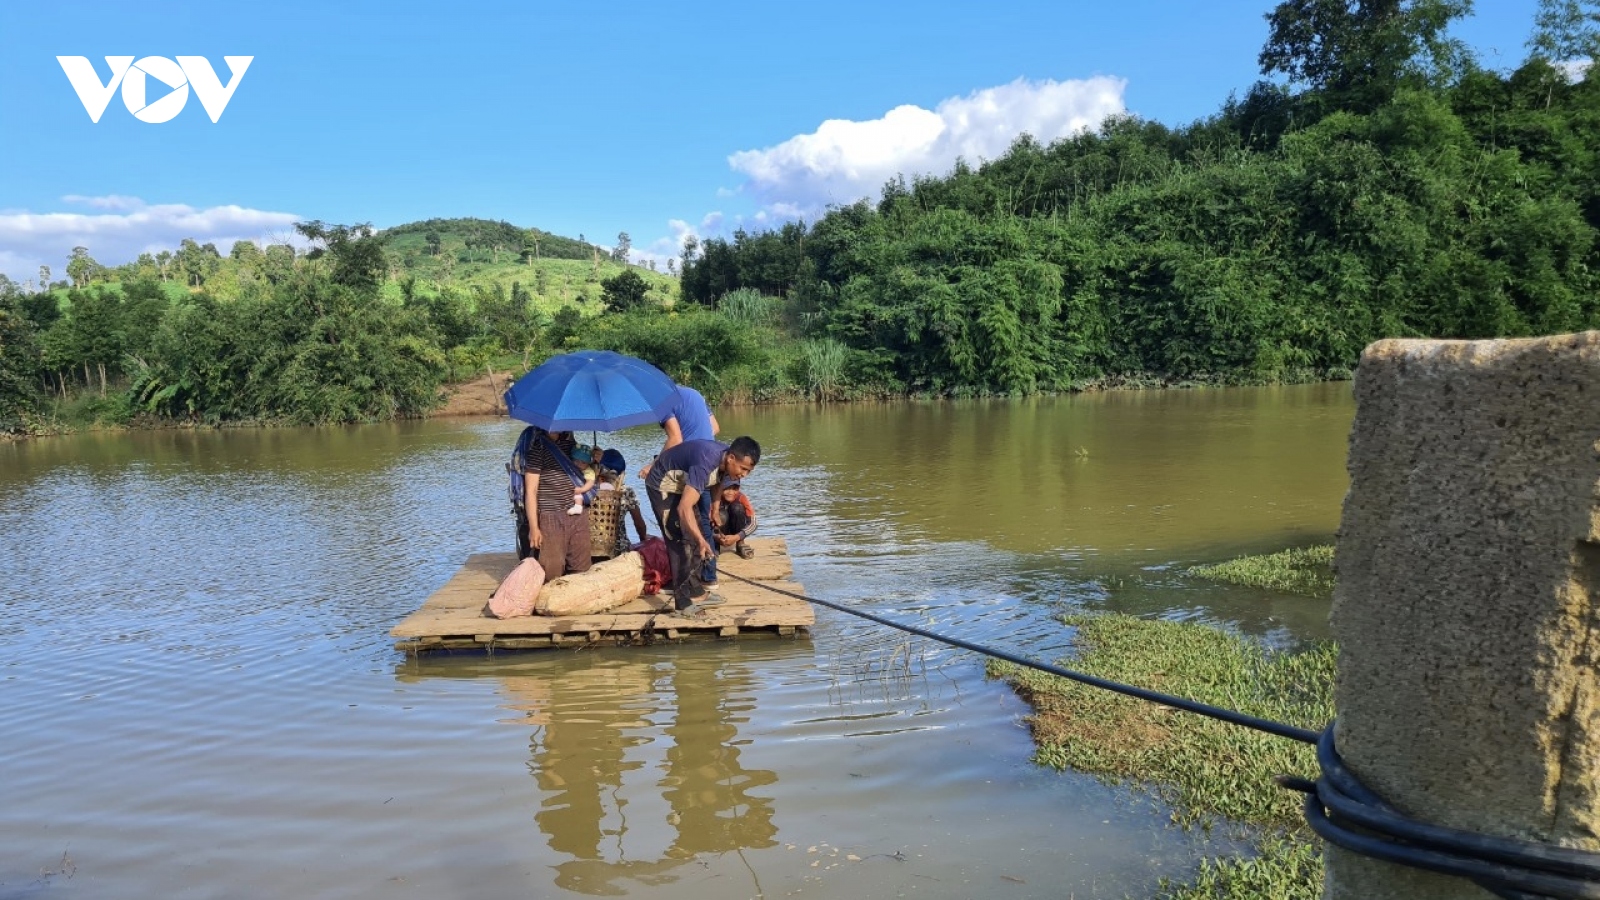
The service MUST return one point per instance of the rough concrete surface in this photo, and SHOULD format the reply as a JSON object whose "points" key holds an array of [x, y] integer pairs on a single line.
{"points": [[1468, 598]]}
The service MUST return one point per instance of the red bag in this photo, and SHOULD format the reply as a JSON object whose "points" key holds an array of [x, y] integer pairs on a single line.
{"points": [[518, 592], [657, 564]]}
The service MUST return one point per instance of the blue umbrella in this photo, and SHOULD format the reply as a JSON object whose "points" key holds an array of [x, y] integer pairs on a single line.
{"points": [[592, 390]]}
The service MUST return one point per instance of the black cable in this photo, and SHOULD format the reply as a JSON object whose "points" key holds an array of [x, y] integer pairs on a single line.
{"points": [[1304, 735], [1342, 810], [1508, 867]]}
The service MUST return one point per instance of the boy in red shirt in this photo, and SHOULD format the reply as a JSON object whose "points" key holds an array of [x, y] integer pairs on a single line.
{"points": [[734, 519]]}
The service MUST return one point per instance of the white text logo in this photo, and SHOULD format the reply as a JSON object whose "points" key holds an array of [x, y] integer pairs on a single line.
{"points": [[134, 78]]}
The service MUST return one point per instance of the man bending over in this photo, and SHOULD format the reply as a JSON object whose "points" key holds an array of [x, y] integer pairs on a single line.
{"points": [[676, 482]]}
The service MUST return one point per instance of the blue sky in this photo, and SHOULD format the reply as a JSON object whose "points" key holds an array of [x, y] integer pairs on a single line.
{"points": [[579, 118]]}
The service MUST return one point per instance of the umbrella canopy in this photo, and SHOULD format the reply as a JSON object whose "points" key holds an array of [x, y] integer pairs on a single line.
{"points": [[592, 390]]}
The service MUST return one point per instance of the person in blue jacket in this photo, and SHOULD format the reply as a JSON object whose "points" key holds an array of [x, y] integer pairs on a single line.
{"points": [[691, 419]]}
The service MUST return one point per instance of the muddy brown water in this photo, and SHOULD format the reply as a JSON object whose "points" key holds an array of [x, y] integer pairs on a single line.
{"points": [[200, 698]]}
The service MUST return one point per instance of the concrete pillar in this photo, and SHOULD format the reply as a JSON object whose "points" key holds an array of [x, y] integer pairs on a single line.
{"points": [[1468, 601]]}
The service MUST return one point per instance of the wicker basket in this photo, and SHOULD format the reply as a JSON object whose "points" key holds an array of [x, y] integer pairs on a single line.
{"points": [[605, 524]]}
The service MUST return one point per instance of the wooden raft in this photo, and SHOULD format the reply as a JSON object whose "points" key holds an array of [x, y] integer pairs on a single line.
{"points": [[453, 619]]}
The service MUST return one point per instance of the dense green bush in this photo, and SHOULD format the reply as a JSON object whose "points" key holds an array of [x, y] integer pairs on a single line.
{"points": [[1271, 242], [19, 364], [689, 344]]}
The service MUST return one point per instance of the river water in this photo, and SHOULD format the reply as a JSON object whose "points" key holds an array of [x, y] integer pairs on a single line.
{"points": [[201, 699]]}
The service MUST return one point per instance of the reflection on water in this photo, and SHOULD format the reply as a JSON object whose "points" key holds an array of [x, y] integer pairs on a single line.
{"points": [[203, 700], [613, 740]]}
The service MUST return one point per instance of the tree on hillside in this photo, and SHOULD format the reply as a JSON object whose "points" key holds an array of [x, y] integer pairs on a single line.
{"points": [[277, 262], [506, 317], [93, 336], [716, 271], [196, 262], [1356, 52], [624, 246], [624, 291], [245, 252], [563, 325], [163, 262], [143, 305], [1566, 31], [81, 267], [41, 309], [354, 252], [432, 242]]}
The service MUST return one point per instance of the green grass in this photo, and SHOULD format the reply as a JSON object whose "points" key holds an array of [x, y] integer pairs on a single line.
{"points": [[1206, 771], [1307, 571], [1287, 868]]}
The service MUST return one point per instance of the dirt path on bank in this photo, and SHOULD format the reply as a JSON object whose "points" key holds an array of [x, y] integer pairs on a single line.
{"points": [[479, 397]]}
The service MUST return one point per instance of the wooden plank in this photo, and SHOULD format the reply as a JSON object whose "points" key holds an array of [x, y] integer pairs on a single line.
{"points": [[527, 643], [616, 638], [748, 615], [759, 606], [771, 561], [452, 618]]}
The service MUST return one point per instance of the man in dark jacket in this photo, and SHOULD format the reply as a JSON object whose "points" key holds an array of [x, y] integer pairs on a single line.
{"points": [[677, 480]]}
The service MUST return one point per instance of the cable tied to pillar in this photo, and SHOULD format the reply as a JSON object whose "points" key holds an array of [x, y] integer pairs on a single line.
{"points": [[1338, 807], [1343, 811]]}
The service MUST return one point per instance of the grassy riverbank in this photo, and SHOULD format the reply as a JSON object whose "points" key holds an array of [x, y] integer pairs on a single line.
{"points": [[1308, 571], [1208, 772]]}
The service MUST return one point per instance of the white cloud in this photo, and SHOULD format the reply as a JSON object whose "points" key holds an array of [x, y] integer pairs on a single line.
{"points": [[110, 201], [844, 161], [670, 246], [130, 227], [1575, 70]]}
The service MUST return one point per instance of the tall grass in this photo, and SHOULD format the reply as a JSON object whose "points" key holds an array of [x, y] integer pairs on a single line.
{"points": [[824, 365], [749, 306]]}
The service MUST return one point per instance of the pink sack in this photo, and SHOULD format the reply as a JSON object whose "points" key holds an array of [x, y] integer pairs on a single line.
{"points": [[517, 593]]}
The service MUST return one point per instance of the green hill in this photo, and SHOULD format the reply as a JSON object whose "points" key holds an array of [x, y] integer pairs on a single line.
{"points": [[554, 270], [473, 261], [481, 236]]}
